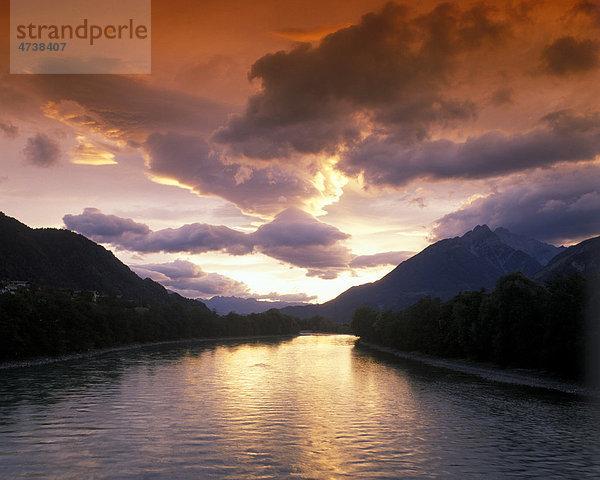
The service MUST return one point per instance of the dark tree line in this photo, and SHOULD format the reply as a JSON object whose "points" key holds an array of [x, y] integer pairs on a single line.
{"points": [[48, 322], [519, 324]]}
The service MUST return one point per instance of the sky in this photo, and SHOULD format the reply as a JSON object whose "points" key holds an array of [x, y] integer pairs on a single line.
{"points": [[290, 150]]}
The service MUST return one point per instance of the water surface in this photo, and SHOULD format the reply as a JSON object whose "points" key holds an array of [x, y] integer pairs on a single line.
{"points": [[311, 407]]}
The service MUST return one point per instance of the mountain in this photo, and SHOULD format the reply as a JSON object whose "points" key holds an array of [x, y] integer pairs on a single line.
{"points": [[583, 258], [470, 262], [490, 250], [63, 259], [244, 306], [542, 252]]}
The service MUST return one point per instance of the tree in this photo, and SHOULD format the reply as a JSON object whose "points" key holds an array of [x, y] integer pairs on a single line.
{"points": [[362, 323]]}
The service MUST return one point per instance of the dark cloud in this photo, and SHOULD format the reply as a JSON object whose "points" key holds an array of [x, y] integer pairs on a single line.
{"points": [[557, 208], [296, 228], [42, 151], [568, 55], [194, 238], [379, 259], [176, 270], [566, 123], [563, 137], [390, 68], [293, 237], [190, 160], [104, 228], [129, 235], [298, 238], [9, 130], [190, 280]]}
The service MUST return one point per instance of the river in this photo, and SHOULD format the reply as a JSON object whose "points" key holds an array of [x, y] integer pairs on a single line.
{"points": [[309, 407]]}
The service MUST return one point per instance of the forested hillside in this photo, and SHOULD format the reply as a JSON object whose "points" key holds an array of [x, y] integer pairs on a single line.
{"points": [[519, 324], [63, 259]]}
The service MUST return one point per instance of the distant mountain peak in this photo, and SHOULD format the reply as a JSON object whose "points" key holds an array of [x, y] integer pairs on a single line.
{"points": [[542, 252], [244, 306], [483, 238], [477, 233], [482, 229]]}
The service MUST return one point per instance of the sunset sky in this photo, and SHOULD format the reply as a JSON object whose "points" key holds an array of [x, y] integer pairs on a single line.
{"points": [[292, 149]]}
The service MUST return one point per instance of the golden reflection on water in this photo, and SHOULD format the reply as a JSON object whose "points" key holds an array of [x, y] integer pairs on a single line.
{"points": [[307, 392]]}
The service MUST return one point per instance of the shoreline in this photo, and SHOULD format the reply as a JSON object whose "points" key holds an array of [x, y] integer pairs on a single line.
{"points": [[37, 361], [494, 374]]}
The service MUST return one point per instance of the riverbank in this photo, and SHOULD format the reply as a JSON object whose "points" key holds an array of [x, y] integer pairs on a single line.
{"points": [[33, 362], [495, 374]]}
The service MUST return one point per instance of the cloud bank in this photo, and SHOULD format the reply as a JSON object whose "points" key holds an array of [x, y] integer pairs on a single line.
{"points": [[563, 136], [555, 210], [293, 237]]}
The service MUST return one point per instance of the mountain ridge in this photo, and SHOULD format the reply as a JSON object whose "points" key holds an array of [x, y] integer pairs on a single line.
{"points": [[472, 261], [542, 252], [63, 259], [582, 258]]}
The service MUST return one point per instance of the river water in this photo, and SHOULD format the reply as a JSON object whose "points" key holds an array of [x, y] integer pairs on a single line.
{"points": [[310, 407]]}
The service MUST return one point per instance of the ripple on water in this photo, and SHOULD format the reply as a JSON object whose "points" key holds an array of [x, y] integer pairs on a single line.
{"points": [[311, 407]]}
